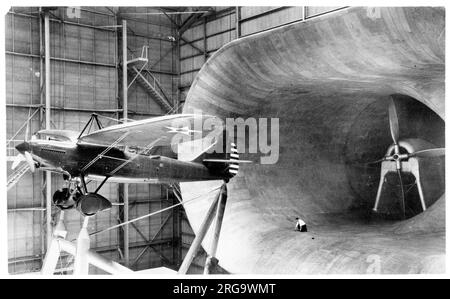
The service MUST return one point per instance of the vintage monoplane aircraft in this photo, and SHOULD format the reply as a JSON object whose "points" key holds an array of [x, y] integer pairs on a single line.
{"points": [[123, 153]]}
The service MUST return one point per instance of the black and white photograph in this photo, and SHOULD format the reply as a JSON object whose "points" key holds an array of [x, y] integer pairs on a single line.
{"points": [[231, 141]]}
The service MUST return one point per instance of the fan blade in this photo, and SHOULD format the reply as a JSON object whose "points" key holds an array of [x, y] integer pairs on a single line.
{"points": [[376, 161], [403, 192], [30, 161], [393, 121], [432, 152], [19, 158]]}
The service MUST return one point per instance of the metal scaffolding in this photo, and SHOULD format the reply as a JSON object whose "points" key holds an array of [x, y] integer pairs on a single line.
{"points": [[49, 108]]}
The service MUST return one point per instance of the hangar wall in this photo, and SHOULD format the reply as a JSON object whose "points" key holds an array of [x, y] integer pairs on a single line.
{"points": [[84, 79]]}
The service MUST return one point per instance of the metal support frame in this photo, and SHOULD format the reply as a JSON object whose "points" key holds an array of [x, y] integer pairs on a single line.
{"points": [[52, 255], [81, 250], [187, 42], [138, 73], [81, 109], [45, 107], [81, 264], [155, 89], [410, 166], [84, 62], [211, 260], [212, 34], [124, 187], [189, 21], [149, 242], [195, 246], [48, 175], [94, 117]]}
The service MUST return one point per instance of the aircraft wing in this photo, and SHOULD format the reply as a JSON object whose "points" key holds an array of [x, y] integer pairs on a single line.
{"points": [[64, 135], [156, 131]]}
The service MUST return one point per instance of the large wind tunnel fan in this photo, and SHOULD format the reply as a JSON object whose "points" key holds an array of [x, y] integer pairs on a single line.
{"points": [[404, 158]]}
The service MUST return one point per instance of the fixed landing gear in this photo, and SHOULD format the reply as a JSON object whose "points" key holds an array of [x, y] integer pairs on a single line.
{"points": [[67, 197], [77, 196]]}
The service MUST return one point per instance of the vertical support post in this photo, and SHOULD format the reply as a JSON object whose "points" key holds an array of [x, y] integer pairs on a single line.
{"points": [[126, 251], [205, 47], [48, 177], [178, 67], [414, 169], [200, 236], [53, 253], [384, 171], [124, 70], [41, 114], [51, 258], [41, 67], [238, 27], [211, 260], [303, 13], [81, 263], [126, 207]]}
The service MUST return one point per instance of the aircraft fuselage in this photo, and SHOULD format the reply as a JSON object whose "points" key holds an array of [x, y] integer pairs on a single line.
{"points": [[120, 165]]}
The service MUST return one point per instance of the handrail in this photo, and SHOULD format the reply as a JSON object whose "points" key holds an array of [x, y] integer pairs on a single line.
{"points": [[158, 84], [23, 125]]}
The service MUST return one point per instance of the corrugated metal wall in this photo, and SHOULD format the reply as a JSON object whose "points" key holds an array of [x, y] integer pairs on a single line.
{"points": [[84, 79]]}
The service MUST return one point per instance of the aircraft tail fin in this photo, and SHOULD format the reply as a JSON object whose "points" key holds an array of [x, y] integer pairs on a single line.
{"points": [[224, 164], [227, 164]]}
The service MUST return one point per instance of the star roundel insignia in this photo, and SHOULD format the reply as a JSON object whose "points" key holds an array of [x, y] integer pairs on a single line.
{"points": [[182, 130]]}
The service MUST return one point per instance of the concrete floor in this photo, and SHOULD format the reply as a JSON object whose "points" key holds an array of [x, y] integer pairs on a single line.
{"points": [[328, 81]]}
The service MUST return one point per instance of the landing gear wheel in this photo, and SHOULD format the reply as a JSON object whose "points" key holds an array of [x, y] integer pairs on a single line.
{"points": [[64, 200]]}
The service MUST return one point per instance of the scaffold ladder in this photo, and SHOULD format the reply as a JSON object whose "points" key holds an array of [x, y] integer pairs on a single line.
{"points": [[17, 175]]}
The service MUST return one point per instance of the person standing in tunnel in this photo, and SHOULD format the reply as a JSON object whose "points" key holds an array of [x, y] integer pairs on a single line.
{"points": [[300, 225]]}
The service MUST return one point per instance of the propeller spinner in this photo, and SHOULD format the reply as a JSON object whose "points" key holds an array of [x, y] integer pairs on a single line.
{"points": [[24, 155]]}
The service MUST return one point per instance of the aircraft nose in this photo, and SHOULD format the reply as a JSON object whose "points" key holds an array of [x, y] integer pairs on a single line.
{"points": [[23, 147]]}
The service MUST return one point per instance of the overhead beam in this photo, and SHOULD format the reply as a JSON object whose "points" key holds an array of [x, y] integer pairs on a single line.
{"points": [[196, 15], [211, 35], [188, 22], [265, 13], [170, 19], [213, 15]]}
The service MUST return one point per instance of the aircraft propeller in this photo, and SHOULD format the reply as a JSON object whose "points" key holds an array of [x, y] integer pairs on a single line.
{"points": [[24, 155], [397, 156]]}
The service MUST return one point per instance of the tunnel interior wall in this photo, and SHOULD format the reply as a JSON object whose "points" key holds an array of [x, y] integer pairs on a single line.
{"points": [[328, 82]]}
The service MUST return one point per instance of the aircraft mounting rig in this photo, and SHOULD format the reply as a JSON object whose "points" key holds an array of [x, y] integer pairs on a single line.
{"points": [[124, 153]]}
